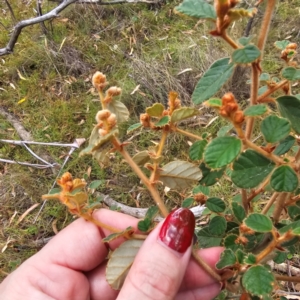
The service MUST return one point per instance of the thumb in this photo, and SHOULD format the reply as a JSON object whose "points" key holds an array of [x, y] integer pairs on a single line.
{"points": [[160, 265]]}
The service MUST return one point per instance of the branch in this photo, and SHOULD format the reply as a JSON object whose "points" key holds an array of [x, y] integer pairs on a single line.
{"points": [[18, 28]]}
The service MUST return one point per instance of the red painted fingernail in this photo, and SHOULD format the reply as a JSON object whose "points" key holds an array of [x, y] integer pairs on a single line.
{"points": [[178, 230]]}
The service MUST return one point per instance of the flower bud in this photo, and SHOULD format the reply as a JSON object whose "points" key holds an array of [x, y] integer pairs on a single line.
{"points": [[112, 120], [223, 113], [145, 120], [231, 107], [102, 115], [239, 117], [177, 103], [291, 46], [102, 132], [227, 98], [113, 91], [66, 177], [99, 80]]}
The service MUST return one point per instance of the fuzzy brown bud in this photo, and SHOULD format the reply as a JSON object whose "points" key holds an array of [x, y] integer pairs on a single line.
{"points": [[145, 120], [102, 132], [99, 81], [112, 120], [200, 198], [165, 113], [292, 46], [177, 103], [223, 113], [228, 98], [66, 177], [102, 115], [239, 117], [113, 91], [231, 107]]}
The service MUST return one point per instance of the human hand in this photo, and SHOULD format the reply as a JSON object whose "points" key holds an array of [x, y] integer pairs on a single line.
{"points": [[72, 266]]}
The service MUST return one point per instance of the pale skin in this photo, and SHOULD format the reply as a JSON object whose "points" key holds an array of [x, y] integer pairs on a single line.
{"points": [[72, 266]]}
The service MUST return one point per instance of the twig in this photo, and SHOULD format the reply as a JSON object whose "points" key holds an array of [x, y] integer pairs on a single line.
{"points": [[11, 11], [27, 164]]}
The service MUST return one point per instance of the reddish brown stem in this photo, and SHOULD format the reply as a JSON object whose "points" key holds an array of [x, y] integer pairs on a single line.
{"points": [[279, 206], [287, 278], [271, 90], [270, 202]]}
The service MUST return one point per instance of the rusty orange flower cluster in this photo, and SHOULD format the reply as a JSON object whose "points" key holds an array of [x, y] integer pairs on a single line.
{"points": [[105, 121], [288, 53], [230, 109]]}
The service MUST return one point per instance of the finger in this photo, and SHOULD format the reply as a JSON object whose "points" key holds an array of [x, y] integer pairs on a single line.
{"points": [[207, 292], [79, 246], [160, 264]]}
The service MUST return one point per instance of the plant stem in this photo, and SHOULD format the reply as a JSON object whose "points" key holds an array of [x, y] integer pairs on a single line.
{"points": [[153, 191], [271, 90], [186, 133], [101, 96], [205, 266], [229, 40], [89, 218], [245, 200], [279, 206], [287, 278], [253, 98], [258, 190], [270, 202], [297, 156]]}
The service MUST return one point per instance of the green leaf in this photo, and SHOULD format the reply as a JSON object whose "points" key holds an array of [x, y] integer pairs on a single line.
{"points": [[221, 151], [95, 184], [280, 257], [281, 44], [188, 202], [274, 128], [183, 113], [258, 280], [54, 191], [145, 225], [134, 127], [206, 239], [197, 149], [210, 177], [163, 121], [119, 109], [213, 102], [264, 77], [285, 145], [291, 73], [250, 259], [240, 255], [230, 242], [210, 83], [259, 222], [289, 108], [179, 174], [152, 212], [217, 226], [245, 55], [255, 110], [290, 226], [284, 179], [262, 89], [120, 262], [293, 211], [227, 259], [197, 9], [155, 110], [224, 130], [215, 204], [201, 189], [296, 231], [238, 211], [116, 235], [141, 158], [244, 41], [250, 169]]}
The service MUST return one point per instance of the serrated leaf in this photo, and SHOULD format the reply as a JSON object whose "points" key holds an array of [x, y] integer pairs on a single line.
{"points": [[250, 259], [245, 40], [258, 280], [215, 204], [291, 73], [293, 211], [183, 113], [221, 151], [284, 179], [210, 83], [275, 129], [230, 242], [95, 184], [120, 262], [281, 44], [206, 239], [119, 109], [255, 110], [264, 77], [240, 254], [188, 202], [155, 110], [238, 211], [250, 169], [152, 212], [210, 177], [179, 174], [217, 226], [134, 127], [289, 108], [214, 102], [163, 121], [141, 158], [259, 222], [224, 130], [285, 145], [227, 259], [144, 225], [197, 149], [290, 226], [197, 9], [245, 55], [201, 189], [280, 257], [116, 235]]}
